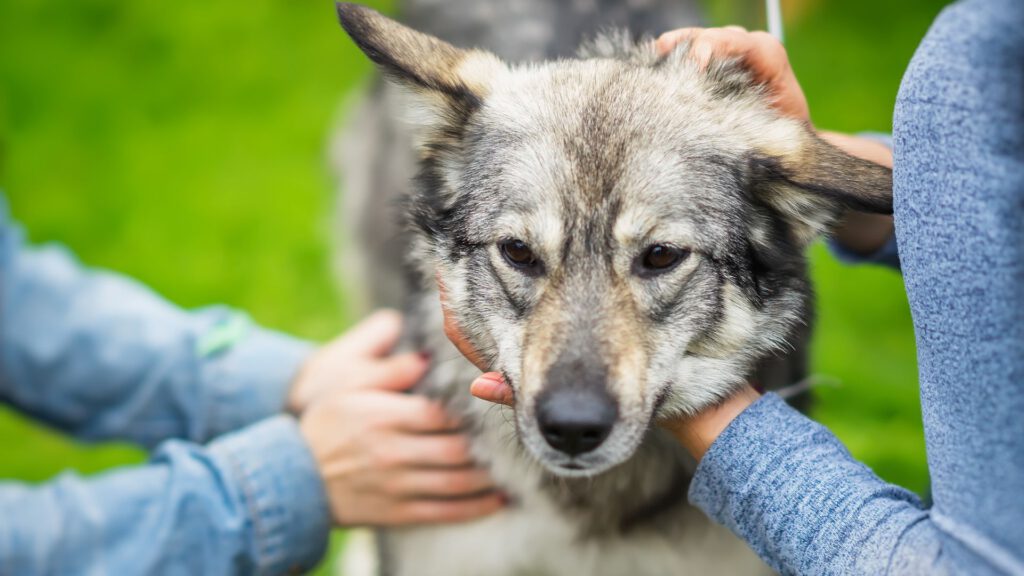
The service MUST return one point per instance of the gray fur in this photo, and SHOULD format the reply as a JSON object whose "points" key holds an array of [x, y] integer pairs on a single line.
{"points": [[589, 161]]}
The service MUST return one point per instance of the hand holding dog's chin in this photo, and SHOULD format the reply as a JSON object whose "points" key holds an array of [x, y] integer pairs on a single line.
{"points": [[489, 386], [698, 432]]}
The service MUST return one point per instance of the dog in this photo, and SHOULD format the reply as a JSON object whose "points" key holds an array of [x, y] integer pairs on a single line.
{"points": [[622, 236]]}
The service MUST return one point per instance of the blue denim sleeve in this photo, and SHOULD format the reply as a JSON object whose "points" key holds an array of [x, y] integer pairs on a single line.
{"points": [[100, 356], [784, 483], [225, 509]]}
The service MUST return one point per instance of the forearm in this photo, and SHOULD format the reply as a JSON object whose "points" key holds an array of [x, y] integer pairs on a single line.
{"points": [[789, 488], [101, 356], [228, 509], [859, 146]]}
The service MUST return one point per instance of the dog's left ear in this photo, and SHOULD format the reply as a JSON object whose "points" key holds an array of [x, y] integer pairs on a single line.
{"points": [[451, 81], [811, 184]]}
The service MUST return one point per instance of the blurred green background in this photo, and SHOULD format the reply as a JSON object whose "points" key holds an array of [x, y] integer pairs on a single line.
{"points": [[184, 144]]}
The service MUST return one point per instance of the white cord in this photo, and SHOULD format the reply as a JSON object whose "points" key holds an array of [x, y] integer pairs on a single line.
{"points": [[774, 19], [787, 392]]}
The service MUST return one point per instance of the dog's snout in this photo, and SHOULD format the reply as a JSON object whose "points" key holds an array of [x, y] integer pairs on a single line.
{"points": [[576, 421]]}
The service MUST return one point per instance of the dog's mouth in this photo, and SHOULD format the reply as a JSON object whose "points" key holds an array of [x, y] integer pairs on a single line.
{"points": [[618, 447], [576, 433]]}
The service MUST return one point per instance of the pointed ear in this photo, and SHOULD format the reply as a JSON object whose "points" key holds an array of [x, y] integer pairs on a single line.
{"points": [[419, 61], [811, 184]]}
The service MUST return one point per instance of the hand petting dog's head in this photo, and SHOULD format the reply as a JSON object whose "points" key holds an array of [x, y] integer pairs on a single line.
{"points": [[621, 235]]}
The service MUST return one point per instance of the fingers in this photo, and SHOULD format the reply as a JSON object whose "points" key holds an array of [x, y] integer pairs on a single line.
{"points": [[376, 335], [447, 511], [396, 373], [764, 54], [723, 42], [454, 333], [425, 451], [669, 40], [420, 415], [493, 388], [456, 483]]}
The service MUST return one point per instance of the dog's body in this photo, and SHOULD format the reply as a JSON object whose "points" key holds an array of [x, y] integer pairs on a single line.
{"points": [[562, 154]]}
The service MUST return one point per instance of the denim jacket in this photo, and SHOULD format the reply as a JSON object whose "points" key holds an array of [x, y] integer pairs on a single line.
{"points": [[230, 487]]}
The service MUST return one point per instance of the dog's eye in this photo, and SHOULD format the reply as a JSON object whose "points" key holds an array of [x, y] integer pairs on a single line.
{"points": [[519, 255], [661, 258]]}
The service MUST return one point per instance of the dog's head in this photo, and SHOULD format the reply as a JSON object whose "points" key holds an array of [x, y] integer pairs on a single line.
{"points": [[621, 235]]}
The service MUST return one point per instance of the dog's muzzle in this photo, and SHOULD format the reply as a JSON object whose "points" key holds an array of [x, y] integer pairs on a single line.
{"points": [[575, 413], [576, 420]]}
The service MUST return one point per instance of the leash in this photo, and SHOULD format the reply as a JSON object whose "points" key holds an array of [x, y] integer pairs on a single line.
{"points": [[774, 10]]}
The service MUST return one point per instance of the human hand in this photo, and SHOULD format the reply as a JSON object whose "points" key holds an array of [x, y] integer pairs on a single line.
{"points": [[454, 333], [490, 386], [762, 54], [696, 433], [359, 358], [386, 457], [389, 458], [769, 64]]}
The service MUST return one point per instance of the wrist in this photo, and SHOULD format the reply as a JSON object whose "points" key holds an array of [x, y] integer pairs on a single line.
{"points": [[283, 496], [864, 148], [698, 432], [248, 380], [299, 393]]}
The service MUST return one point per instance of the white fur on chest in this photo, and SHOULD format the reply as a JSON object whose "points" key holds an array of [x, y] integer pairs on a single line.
{"points": [[536, 540], [534, 537]]}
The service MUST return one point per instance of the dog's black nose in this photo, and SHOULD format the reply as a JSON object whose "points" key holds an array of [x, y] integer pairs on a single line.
{"points": [[576, 420]]}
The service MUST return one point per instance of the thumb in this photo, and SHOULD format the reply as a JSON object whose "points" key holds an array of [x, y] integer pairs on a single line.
{"points": [[493, 388]]}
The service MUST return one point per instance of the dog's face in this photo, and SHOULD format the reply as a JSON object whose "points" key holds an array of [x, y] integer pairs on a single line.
{"points": [[620, 235]]}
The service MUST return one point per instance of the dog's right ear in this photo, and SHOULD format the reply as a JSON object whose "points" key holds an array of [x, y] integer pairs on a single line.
{"points": [[454, 81]]}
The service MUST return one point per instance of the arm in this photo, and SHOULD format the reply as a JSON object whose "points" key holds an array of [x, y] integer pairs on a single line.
{"points": [[224, 509], [783, 482], [789, 488], [259, 500], [100, 356]]}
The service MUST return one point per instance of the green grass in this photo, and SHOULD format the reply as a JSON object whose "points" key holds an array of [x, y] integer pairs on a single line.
{"points": [[184, 144]]}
